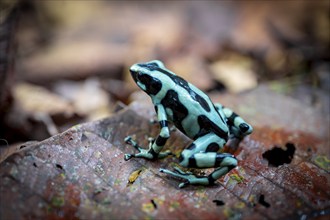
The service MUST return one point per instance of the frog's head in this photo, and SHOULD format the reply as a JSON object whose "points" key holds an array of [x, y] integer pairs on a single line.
{"points": [[146, 76]]}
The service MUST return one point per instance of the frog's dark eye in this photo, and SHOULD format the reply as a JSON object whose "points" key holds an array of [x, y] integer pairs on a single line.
{"points": [[144, 78], [150, 84]]}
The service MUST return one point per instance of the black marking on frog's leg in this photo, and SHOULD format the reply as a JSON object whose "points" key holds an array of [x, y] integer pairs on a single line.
{"points": [[184, 84], [163, 123], [212, 147], [160, 141], [220, 157], [153, 153], [231, 118]]}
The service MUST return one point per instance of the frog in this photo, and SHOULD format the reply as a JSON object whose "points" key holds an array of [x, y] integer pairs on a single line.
{"points": [[209, 125]]}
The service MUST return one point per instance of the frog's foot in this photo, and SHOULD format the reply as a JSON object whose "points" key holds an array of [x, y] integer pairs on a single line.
{"points": [[190, 178], [143, 153]]}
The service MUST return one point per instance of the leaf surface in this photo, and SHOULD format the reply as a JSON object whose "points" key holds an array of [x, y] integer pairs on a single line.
{"points": [[81, 173]]}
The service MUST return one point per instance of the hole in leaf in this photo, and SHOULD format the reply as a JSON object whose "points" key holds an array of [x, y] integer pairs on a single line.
{"points": [[263, 202], [154, 203], [22, 146], [59, 166], [277, 156], [83, 138], [218, 202]]}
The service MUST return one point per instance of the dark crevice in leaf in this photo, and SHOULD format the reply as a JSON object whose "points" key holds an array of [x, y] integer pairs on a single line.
{"points": [[59, 166], [22, 146], [83, 137], [218, 202], [277, 156], [153, 203], [263, 202]]}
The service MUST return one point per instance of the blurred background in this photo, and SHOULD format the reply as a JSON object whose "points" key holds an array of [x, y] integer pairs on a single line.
{"points": [[66, 62]]}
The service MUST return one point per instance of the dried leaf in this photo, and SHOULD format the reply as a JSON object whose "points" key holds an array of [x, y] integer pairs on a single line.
{"points": [[33, 99], [81, 172], [236, 73]]}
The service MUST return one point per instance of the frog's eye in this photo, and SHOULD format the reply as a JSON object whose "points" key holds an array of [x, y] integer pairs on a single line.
{"points": [[144, 78]]}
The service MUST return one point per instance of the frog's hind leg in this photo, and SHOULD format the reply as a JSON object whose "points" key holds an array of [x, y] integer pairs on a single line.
{"points": [[237, 126], [202, 153]]}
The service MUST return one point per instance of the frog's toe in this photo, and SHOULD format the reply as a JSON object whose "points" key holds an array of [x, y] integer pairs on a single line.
{"points": [[164, 154], [128, 140], [177, 173], [178, 170], [189, 178], [184, 184], [128, 156]]}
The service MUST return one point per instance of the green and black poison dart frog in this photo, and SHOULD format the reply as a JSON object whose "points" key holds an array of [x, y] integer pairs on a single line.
{"points": [[194, 114]]}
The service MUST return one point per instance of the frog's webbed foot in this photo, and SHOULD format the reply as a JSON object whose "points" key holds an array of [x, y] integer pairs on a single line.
{"points": [[143, 153], [190, 178]]}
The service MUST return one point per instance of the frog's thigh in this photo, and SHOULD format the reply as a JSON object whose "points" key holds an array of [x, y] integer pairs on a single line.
{"points": [[202, 152]]}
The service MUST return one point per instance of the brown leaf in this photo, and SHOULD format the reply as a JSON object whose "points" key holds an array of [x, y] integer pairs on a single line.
{"points": [[81, 173]]}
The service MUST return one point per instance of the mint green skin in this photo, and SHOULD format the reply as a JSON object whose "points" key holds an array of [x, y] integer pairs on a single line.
{"points": [[192, 112]]}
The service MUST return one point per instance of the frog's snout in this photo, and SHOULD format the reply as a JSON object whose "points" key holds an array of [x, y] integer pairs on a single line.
{"points": [[134, 68], [134, 72]]}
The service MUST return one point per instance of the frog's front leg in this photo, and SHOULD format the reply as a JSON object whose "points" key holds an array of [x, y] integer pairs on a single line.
{"points": [[155, 146], [202, 153]]}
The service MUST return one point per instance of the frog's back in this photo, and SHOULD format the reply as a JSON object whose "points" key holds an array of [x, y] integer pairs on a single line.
{"points": [[204, 112], [193, 111], [190, 109]]}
